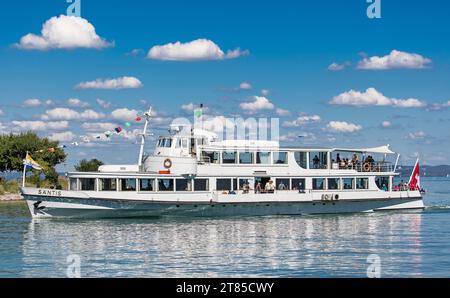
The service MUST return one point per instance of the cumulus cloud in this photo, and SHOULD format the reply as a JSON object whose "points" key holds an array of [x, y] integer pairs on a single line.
{"points": [[103, 103], [342, 126], [395, 60], [64, 32], [372, 97], [386, 124], [416, 135], [265, 92], [34, 102], [76, 103], [338, 66], [199, 49], [439, 106], [98, 126], [258, 103], [245, 86], [116, 84], [282, 112], [40, 125], [69, 114], [66, 136], [302, 120], [124, 114], [305, 137]]}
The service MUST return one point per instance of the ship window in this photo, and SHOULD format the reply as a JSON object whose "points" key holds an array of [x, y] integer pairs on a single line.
{"points": [[87, 183], [146, 184], [282, 184], [178, 143], [73, 184], [382, 183], [210, 156], [184, 185], [165, 184], [362, 183], [301, 159], [244, 184], [223, 184], [109, 184], [128, 184], [201, 184], [246, 157], [298, 184], [347, 183], [318, 160], [318, 183], [263, 157], [229, 157], [334, 183], [280, 158], [168, 143]]}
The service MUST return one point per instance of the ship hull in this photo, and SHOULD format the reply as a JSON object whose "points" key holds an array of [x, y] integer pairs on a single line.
{"points": [[47, 206]]}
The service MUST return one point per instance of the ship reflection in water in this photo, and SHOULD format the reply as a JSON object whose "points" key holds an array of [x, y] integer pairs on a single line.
{"points": [[311, 246]]}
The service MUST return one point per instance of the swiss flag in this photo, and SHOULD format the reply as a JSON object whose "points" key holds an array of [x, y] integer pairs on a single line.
{"points": [[414, 181]]}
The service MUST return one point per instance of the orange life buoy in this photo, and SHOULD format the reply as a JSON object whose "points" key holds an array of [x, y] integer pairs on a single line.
{"points": [[168, 163], [367, 167]]}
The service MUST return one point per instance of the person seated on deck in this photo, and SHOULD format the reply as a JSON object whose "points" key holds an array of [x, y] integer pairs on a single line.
{"points": [[342, 164], [258, 187], [246, 188], [384, 187], [316, 162], [269, 188], [281, 186]]}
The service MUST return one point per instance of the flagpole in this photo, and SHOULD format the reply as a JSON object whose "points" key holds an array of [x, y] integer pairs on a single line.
{"points": [[24, 171]]}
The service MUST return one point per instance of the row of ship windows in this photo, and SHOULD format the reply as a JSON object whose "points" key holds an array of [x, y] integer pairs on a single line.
{"points": [[244, 157], [222, 184]]}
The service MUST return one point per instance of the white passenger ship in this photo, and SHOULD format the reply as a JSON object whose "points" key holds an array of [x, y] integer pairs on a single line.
{"points": [[196, 174]]}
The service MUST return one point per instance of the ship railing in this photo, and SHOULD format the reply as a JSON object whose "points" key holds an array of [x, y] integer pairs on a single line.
{"points": [[377, 166]]}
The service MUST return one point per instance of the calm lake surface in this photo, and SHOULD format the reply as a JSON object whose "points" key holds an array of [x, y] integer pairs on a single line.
{"points": [[409, 244]]}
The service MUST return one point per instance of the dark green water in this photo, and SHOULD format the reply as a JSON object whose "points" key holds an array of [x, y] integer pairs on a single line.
{"points": [[409, 244]]}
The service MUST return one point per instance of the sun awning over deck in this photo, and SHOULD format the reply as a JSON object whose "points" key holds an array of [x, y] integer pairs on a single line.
{"points": [[382, 150]]}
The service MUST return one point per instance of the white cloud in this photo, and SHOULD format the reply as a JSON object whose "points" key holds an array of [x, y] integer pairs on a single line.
{"points": [[258, 103], [265, 92], [396, 59], [76, 103], [69, 114], [282, 112], [439, 106], [32, 102], [40, 125], [99, 126], [305, 137], [199, 49], [116, 84], [2, 113], [386, 124], [103, 103], [189, 107], [337, 66], [245, 86], [372, 97], [302, 120], [66, 136], [124, 114], [342, 126], [416, 135], [64, 32]]}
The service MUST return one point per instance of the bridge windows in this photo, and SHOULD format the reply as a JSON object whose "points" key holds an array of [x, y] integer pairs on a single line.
{"points": [[302, 159], [263, 158], [318, 160], [246, 157], [229, 157], [87, 184], [280, 158], [107, 184]]}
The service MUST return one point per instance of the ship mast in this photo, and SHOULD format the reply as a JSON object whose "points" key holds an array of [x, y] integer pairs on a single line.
{"points": [[147, 116]]}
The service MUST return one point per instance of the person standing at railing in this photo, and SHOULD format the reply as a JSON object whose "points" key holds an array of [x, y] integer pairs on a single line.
{"points": [[316, 162]]}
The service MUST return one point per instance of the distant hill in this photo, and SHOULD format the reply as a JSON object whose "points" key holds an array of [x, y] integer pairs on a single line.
{"points": [[426, 171]]}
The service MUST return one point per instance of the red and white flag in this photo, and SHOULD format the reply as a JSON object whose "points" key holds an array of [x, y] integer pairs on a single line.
{"points": [[414, 180]]}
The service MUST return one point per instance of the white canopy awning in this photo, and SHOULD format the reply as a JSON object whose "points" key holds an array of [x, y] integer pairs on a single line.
{"points": [[382, 150]]}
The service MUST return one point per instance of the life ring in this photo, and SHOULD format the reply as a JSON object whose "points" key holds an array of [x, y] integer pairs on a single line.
{"points": [[168, 163], [336, 197], [366, 167], [326, 197]]}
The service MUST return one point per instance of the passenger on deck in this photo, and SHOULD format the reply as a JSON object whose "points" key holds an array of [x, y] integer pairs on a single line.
{"points": [[281, 186], [338, 158], [246, 188], [316, 162], [269, 188], [355, 159], [258, 187]]}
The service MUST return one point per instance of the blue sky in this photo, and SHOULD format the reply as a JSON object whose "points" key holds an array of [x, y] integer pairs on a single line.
{"points": [[286, 48]]}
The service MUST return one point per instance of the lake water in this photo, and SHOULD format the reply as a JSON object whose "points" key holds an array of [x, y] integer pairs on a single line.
{"points": [[408, 244]]}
